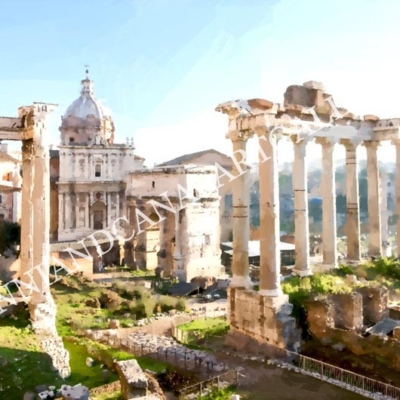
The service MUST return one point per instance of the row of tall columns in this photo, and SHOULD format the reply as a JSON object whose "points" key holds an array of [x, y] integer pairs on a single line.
{"points": [[269, 209]]}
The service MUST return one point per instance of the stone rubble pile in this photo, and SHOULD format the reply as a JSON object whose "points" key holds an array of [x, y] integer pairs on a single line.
{"points": [[54, 347], [66, 392], [167, 348]]}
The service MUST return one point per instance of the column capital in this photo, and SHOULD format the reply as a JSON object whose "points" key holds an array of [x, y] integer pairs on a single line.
{"points": [[238, 136], [374, 144], [351, 144], [301, 140], [328, 141]]}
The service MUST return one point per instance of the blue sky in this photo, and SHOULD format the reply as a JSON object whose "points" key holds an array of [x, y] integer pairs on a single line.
{"points": [[162, 66]]}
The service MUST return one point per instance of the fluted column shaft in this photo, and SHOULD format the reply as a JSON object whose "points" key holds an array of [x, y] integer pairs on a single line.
{"points": [[270, 260], [302, 230], [240, 219], [328, 191], [352, 202], [374, 200]]}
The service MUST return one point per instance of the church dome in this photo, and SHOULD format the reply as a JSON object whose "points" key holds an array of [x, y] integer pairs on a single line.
{"points": [[87, 121], [87, 104]]}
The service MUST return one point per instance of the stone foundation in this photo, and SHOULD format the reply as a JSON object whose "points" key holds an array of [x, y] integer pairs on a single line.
{"points": [[266, 320]]}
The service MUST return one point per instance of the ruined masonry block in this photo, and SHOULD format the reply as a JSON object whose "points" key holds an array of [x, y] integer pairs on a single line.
{"points": [[348, 311], [375, 304], [133, 380]]}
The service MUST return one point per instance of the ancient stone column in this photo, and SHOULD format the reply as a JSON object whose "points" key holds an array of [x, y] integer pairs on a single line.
{"points": [[352, 201], [270, 260], [42, 307], [328, 192], [374, 212], [397, 144], [26, 212], [240, 219], [302, 230]]}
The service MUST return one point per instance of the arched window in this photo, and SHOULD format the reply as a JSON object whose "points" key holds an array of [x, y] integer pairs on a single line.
{"points": [[97, 171], [153, 184]]}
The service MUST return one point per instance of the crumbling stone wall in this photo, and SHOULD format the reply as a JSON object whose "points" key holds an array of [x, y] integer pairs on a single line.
{"points": [[375, 304], [321, 324], [348, 311]]}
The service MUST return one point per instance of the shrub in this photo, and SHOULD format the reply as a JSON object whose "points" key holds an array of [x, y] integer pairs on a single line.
{"points": [[344, 270], [167, 303], [181, 305]]}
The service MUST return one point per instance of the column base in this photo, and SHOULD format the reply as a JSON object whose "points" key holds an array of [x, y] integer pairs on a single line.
{"points": [[240, 282], [302, 273]]}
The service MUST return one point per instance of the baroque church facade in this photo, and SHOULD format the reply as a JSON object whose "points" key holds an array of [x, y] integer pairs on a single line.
{"points": [[95, 181]]}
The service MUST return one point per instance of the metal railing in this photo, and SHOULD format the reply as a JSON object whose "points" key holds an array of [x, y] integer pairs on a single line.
{"points": [[201, 388], [328, 371]]}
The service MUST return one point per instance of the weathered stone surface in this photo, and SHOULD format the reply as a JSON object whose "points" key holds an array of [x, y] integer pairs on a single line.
{"points": [[114, 324], [394, 312], [348, 311], [375, 303], [134, 382], [262, 318], [95, 303], [77, 392]]}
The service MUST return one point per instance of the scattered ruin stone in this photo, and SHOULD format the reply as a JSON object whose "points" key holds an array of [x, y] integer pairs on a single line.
{"points": [[134, 382], [89, 362], [94, 303], [114, 324], [29, 396], [77, 392], [110, 300]]}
